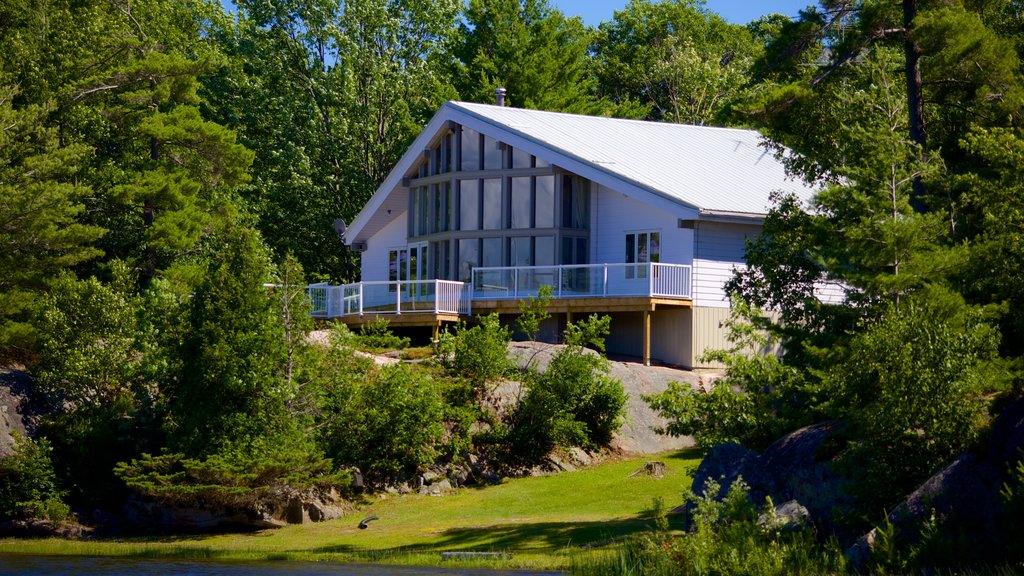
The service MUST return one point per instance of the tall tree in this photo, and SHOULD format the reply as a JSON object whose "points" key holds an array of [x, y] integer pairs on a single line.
{"points": [[40, 231], [679, 60], [328, 95], [529, 48]]}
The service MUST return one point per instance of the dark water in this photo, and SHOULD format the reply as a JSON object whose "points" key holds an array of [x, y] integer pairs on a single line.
{"points": [[11, 565]]}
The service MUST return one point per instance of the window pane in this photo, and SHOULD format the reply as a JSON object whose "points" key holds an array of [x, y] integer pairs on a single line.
{"points": [[544, 251], [545, 212], [542, 164], [470, 149], [392, 265], [630, 248], [641, 248], [469, 258], [492, 252], [492, 204], [655, 247], [521, 202], [492, 154], [520, 159], [403, 264], [581, 251], [469, 205], [520, 252]]}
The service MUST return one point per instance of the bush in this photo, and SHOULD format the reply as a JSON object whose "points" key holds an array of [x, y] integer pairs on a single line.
{"points": [[377, 336], [757, 400], [28, 484], [907, 386], [480, 353], [387, 424], [726, 538], [573, 403]]}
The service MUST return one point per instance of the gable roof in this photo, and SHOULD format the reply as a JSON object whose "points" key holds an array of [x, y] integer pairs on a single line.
{"points": [[696, 172]]}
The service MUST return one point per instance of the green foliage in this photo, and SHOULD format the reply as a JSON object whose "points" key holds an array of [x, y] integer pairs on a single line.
{"points": [[726, 538], [230, 394], [677, 61], [1012, 492], [228, 479], [757, 399], [908, 387], [40, 231], [480, 353], [529, 48], [387, 423], [88, 350], [376, 336], [28, 484], [574, 402], [534, 311]]}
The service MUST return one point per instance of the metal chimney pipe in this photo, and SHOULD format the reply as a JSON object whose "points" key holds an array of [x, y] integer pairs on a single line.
{"points": [[499, 96]]}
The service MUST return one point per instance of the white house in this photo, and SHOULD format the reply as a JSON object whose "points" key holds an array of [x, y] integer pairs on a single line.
{"points": [[642, 220]]}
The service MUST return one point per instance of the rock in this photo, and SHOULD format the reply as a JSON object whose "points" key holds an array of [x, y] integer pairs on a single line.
{"points": [[964, 496], [795, 467], [274, 509], [18, 413], [786, 516]]}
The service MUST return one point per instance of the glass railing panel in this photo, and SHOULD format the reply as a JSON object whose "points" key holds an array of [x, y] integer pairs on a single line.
{"points": [[494, 283]]}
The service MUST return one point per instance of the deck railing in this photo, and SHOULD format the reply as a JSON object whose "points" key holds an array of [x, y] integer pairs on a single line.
{"points": [[654, 280], [584, 281], [437, 296]]}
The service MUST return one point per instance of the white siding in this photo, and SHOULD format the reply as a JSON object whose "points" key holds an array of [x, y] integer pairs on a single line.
{"points": [[719, 252], [374, 262], [612, 214], [830, 292]]}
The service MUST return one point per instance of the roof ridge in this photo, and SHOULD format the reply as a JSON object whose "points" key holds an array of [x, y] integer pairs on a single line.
{"points": [[463, 104]]}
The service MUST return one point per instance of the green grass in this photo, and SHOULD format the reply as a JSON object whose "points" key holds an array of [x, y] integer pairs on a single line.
{"points": [[542, 521]]}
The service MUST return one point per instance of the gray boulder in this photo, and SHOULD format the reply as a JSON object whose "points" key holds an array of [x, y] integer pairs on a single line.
{"points": [[796, 468], [964, 496]]}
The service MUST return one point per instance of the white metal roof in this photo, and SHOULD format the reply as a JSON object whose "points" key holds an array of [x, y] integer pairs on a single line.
{"points": [[705, 171]]}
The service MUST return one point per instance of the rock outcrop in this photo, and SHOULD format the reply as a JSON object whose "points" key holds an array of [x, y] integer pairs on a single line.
{"points": [[273, 510], [964, 497], [795, 470], [17, 412]]}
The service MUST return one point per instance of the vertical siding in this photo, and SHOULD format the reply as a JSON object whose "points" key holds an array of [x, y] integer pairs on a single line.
{"points": [[374, 262], [612, 214], [709, 331], [719, 251]]}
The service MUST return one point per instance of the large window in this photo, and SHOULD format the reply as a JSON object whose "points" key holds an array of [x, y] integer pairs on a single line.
{"points": [[575, 202], [641, 249]]}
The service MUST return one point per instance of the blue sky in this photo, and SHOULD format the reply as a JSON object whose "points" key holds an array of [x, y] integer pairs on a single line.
{"points": [[736, 11]]}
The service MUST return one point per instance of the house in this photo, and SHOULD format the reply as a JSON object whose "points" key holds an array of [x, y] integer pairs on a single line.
{"points": [[644, 221]]}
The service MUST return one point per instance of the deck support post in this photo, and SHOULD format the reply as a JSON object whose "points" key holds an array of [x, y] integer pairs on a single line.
{"points": [[437, 331], [647, 337]]}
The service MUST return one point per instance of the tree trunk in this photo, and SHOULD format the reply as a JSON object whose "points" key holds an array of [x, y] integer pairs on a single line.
{"points": [[915, 94]]}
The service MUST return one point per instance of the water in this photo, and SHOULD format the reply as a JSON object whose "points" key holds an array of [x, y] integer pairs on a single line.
{"points": [[19, 565]]}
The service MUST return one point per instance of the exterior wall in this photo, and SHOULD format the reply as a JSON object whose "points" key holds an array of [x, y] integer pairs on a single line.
{"points": [[612, 215], [627, 334], [672, 337], [374, 262], [709, 333], [719, 251]]}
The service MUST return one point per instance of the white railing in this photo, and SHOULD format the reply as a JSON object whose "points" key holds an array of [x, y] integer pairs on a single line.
{"points": [[584, 281], [436, 296]]}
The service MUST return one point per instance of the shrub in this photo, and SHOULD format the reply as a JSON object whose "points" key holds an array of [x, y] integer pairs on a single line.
{"points": [[907, 387], [534, 311], [480, 353], [572, 403], [28, 484], [727, 537], [377, 336], [386, 424], [758, 399]]}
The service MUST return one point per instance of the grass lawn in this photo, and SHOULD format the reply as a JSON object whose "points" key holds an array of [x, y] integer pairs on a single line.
{"points": [[542, 521]]}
